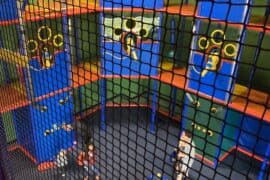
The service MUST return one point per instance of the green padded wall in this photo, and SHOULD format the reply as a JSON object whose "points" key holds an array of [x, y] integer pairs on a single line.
{"points": [[118, 90], [11, 44], [122, 90], [7, 41], [89, 96], [9, 127], [183, 39], [88, 36], [231, 130], [165, 99], [207, 139], [262, 62], [2, 75]]}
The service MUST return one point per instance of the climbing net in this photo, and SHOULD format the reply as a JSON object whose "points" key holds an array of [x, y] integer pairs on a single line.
{"points": [[110, 89]]}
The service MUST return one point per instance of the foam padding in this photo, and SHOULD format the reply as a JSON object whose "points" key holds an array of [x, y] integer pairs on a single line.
{"points": [[9, 126], [13, 57]]}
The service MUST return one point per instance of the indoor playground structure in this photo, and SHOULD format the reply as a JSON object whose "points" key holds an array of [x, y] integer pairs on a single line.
{"points": [[134, 89]]}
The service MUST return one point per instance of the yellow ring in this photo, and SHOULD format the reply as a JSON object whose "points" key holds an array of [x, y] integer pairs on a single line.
{"points": [[146, 34], [226, 53], [200, 44], [115, 29], [35, 43], [213, 35], [60, 36], [126, 23], [39, 33], [116, 36], [210, 133]]}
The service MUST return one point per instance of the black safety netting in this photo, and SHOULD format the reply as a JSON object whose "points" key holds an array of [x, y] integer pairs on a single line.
{"points": [[134, 89]]}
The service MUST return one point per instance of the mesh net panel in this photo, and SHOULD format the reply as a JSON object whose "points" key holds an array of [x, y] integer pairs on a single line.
{"points": [[134, 89]]}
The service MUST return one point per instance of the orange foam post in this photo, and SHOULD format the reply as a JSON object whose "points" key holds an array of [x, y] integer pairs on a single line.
{"points": [[45, 6], [84, 74], [46, 165], [185, 10], [252, 102], [176, 77]]}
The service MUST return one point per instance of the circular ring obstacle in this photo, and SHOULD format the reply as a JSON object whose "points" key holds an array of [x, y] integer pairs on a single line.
{"points": [[41, 31], [214, 39], [233, 52], [130, 23], [58, 40], [32, 43], [203, 43]]}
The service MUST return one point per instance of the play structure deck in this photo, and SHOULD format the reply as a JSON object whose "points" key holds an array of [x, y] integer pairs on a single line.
{"points": [[56, 86], [249, 101]]}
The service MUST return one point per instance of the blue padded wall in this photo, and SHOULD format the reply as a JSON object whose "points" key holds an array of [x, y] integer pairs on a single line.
{"points": [[31, 123], [218, 82], [213, 84], [8, 10], [225, 10], [49, 112], [122, 64], [48, 146], [254, 135], [144, 58], [45, 81], [151, 4]]}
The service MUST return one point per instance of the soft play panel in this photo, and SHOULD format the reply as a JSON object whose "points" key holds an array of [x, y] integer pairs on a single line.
{"points": [[216, 47]]}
